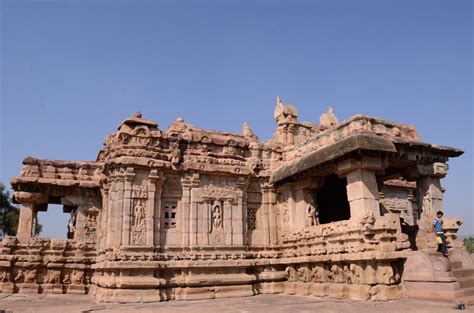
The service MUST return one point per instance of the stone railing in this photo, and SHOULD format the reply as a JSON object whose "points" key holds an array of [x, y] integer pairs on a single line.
{"points": [[350, 236], [60, 173], [45, 265]]}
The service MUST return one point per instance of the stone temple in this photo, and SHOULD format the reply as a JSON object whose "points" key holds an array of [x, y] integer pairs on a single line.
{"points": [[335, 209]]}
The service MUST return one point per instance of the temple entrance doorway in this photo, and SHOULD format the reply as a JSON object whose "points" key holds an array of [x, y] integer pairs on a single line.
{"points": [[332, 200]]}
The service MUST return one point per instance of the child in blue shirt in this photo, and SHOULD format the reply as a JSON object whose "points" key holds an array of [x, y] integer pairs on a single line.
{"points": [[440, 237]]}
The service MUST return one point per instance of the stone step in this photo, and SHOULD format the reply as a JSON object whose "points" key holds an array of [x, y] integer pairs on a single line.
{"points": [[468, 292], [463, 272], [466, 300], [466, 282]]}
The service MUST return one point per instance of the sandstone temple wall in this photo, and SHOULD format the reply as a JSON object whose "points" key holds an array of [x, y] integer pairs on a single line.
{"points": [[330, 209]]}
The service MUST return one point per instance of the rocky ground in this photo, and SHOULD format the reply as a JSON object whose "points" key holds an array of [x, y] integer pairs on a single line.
{"points": [[263, 303]]}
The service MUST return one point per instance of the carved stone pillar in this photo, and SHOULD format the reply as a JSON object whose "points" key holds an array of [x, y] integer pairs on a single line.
{"points": [[264, 221], [188, 221], [273, 214], [430, 201], [153, 214], [270, 233], [117, 211], [126, 206], [362, 189], [87, 209], [80, 222], [102, 220], [301, 206], [227, 210], [110, 228], [239, 210], [28, 210], [288, 204], [184, 214], [203, 223], [25, 224]]}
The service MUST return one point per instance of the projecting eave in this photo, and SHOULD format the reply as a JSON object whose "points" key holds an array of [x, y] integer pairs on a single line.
{"points": [[361, 142], [437, 149]]}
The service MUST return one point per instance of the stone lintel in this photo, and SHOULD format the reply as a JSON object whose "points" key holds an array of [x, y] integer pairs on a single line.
{"points": [[368, 163], [30, 197], [435, 169]]}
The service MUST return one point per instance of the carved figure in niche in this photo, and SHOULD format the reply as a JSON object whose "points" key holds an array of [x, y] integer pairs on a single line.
{"points": [[368, 222], [90, 227], [138, 212], [338, 274], [53, 277], [347, 273], [385, 274], [67, 278], [175, 152], [318, 274], [357, 273], [286, 217], [216, 216], [138, 223], [19, 277], [77, 277], [426, 204], [304, 274], [30, 276], [71, 226], [291, 274], [311, 215], [5, 277]]}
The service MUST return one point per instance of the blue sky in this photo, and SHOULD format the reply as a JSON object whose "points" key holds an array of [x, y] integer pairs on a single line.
{"points": [[71, 71]]}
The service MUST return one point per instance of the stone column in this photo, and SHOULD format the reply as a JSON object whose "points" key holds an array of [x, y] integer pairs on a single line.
{"points": [[189, 182], [362, 189], [85, 206], [238, 220], [264, 220], [203, 220], [81, 218], [430, 200], [153, 214], [126, 206], [301, 206], [183, 215], [272, 216], [110, 228], [28, 210], [239, 213], [117, 211], [227, 221], [193, 218], [102, 221], [269, 229]]}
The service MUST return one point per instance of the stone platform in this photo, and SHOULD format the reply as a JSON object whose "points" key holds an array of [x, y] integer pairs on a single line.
{"points": [[263, 303]]}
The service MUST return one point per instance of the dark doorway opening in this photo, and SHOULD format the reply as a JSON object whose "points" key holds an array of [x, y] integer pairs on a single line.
{"points": [[332, 200]]}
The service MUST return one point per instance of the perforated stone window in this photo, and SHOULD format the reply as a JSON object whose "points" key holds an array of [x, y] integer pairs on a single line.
{"points": [[169, 212], [251, 218]]}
